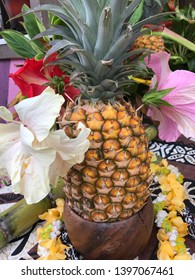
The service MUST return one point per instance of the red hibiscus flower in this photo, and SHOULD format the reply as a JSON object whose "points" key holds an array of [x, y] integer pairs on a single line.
{"points": [[32, 78]]}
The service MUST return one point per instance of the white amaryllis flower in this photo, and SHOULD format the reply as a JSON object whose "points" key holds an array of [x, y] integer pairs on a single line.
{"points": [[31, 154]]}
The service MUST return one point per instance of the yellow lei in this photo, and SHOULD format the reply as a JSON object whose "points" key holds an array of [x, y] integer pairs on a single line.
{"points": [[168, 206]]}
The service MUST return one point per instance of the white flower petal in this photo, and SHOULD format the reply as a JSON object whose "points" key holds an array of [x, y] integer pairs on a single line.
{"points": [[10, 148], [69, 149], [39, 113], [34, 183], [58, 168], [26, 135], [9, 133], [41, 151], [13, 161]]}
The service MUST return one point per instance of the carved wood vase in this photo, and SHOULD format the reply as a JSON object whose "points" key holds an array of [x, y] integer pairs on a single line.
{"points": [[122, 240]]}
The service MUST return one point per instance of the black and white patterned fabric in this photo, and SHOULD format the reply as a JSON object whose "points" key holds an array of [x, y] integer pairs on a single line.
{"points": [[178, 152]]}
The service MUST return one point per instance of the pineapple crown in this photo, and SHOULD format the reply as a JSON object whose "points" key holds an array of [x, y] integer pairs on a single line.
{"points": [[93, 40]]}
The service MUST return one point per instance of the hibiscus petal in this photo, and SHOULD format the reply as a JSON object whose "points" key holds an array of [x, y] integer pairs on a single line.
{"points": [[70, 149], [34, 183], [13, 161], [38, 118], [8, 134], [186, 125], [167, 128], [158, 62], [46, 155], [58, 168], [183, 93]]}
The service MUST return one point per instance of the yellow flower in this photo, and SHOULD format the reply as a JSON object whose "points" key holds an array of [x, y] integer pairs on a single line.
{"points": [[55, 249], [181, 226], [161, 235], [164, 162], [60, 205], [54, 214], [183, 257], [165, 251], [154, 157], [172, 214], [154, 167]]}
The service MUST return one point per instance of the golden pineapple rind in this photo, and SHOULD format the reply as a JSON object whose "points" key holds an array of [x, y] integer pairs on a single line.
{"points": [[150, 42], [112, 183]]}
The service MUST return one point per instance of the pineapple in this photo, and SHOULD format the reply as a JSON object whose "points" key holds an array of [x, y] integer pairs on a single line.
{"points": [[150, 42], [112, 183]]}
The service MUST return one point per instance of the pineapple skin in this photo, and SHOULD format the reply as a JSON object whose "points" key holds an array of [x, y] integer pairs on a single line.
{"points": [[112, 183], [150, 42]]}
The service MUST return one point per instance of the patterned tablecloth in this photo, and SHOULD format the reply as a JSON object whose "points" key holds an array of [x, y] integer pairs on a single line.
{"points": [[180, 154]]}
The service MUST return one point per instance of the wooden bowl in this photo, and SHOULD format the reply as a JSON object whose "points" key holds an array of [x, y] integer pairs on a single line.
{"points": [[122, 240]]}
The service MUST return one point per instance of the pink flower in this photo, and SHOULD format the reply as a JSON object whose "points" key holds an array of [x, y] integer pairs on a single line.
{"points": [[180, 117]]}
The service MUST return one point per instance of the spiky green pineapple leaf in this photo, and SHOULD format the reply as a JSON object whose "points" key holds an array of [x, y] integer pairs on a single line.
{"points": [[78, 6], [91, 11], [121, 12], [57, 31], [104, 33]]}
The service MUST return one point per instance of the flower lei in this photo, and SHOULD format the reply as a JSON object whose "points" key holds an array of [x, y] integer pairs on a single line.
{"points": [[168, 206], [50, 246]]}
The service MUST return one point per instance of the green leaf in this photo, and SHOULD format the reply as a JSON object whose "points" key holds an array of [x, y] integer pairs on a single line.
{"points": [[32, 24], [154, 97], [18, 43], [137, 14], [191, 64]]}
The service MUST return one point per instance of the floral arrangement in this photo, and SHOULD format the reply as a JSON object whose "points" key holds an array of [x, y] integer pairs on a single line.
{"points": [[169, 206], [35, 152], [50, 246]]}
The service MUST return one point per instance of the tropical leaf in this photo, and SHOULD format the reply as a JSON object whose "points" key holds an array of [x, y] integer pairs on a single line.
{"points": [[18, 43]]}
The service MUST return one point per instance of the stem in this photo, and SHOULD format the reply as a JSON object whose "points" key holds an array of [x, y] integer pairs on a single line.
{"points": [[169, 34], [17, 219]]}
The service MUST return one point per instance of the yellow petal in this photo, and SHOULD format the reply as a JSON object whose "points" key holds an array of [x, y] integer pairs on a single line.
{"points": [[161, 235], [182, 257], [164, 162], [177, 221], [172, 214], [165, 187], [183, 230], [162, 255], [167, 248]]}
